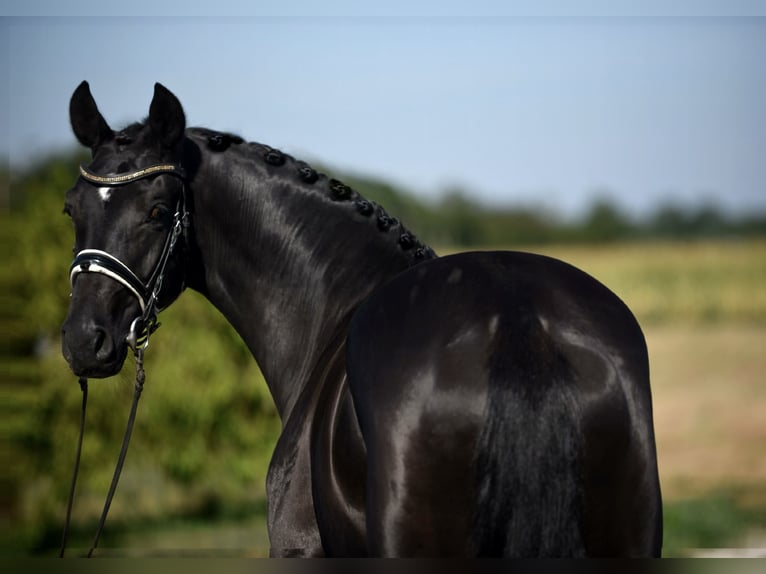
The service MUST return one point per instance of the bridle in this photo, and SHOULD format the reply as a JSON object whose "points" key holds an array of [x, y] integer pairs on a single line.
{"points": [[147, 293], [97, 261]]}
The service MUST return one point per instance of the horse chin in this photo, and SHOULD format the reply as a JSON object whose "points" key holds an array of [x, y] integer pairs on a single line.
{"points": [[94, 369]]}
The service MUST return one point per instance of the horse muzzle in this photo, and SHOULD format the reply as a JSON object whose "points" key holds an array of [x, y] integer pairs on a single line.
{"points": [[91, 350]]}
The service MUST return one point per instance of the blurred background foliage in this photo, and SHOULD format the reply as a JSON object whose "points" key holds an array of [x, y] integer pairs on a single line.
{"points": [[206, 424]]}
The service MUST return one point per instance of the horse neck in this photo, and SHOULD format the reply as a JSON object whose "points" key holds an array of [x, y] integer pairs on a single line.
{"points": [[285, 260]]}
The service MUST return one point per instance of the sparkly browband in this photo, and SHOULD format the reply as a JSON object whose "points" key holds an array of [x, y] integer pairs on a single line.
{"points": [[132, 176]]}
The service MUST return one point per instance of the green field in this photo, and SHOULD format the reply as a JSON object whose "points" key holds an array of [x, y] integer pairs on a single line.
{"points": [[194, 477]]}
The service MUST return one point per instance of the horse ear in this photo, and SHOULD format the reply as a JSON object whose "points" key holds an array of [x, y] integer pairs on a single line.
{"points": [[166, 117], [88, 125]]}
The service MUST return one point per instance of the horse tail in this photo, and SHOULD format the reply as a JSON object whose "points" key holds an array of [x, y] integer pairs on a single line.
{"points": [[528, 478]]}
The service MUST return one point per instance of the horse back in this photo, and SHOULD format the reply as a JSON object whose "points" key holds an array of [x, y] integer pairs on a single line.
{"points": [[504, 402]]}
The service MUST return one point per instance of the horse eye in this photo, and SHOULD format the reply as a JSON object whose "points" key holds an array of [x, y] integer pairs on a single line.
{"points": [[157, 212]]}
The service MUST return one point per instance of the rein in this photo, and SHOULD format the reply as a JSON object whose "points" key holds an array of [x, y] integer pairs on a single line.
{"points": [[97, 261]]}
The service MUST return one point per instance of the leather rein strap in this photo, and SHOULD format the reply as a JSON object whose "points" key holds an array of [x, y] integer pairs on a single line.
{"points": [[139, 387], [96, 261]]}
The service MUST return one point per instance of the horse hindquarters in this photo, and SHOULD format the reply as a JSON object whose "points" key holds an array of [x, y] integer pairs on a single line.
{"points": [[566, 460], [505, 406], [567, 464], [470, 432]]}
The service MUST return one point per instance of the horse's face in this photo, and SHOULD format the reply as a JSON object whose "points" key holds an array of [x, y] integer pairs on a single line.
{"points": [[129, 222]]}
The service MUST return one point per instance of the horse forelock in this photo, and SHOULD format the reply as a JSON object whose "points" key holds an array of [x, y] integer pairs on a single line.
{"points": [[130, 133]]}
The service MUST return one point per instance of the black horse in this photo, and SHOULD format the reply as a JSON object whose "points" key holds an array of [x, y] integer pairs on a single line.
{"points": [[481, 404]]}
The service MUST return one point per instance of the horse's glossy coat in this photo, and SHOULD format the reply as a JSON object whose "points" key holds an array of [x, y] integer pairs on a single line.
{"points": [[492, 404]]}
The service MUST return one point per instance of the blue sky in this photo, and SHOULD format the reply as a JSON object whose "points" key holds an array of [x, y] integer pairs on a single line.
{"points": [[539, 104]]}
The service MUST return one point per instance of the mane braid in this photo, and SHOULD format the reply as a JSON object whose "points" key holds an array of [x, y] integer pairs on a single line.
{"points": [[335, 189]]}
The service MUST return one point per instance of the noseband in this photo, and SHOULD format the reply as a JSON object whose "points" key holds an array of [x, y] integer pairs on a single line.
{"points": [[97, 261], [147, 294]]}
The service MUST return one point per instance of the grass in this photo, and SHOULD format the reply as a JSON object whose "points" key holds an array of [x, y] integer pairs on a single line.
{"points": [[195, 538], [719, 519], [709, 390]]}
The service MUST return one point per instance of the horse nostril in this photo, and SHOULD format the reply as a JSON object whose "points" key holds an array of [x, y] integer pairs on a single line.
{"points": [[102, 344]]}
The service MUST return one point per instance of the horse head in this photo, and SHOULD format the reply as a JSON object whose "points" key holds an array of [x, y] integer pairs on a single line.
{"points": [[128, 208]]}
